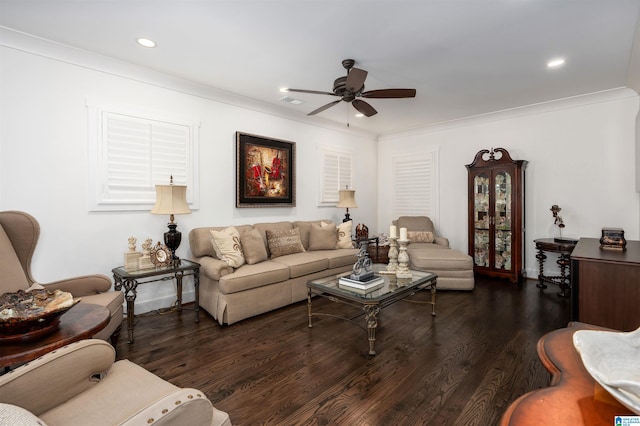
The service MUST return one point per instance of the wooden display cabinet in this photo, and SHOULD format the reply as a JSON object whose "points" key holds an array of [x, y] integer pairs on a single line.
{"points": [[496, 214]]}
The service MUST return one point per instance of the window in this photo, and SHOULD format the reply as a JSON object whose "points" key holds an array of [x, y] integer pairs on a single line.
{"points": [[132, 152], [336, 175], [415, 185]]}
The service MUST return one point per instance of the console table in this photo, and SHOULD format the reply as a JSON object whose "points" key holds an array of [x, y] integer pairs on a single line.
{"points": [[564, 249], [129, 281], [573, 398]]}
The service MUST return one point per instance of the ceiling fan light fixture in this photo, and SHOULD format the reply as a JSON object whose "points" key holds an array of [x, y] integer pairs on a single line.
{"points": [[284, 89], [146, 42], [359, 115]]}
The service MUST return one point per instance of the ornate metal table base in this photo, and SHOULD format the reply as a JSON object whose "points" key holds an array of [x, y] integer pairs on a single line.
{"points": [[564, 250], [128, 282], [396, 290]]}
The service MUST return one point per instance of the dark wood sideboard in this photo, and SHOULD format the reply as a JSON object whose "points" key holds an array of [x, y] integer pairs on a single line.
{"points": [[606, 285]]}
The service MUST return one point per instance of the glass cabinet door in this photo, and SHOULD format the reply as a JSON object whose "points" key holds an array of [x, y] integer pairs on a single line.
{"points": [[502, 220], [481, 214]]}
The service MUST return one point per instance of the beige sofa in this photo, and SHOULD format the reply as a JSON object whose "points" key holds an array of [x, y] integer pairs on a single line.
{"points": [[80, 384], [231, 294], [429, 252]]}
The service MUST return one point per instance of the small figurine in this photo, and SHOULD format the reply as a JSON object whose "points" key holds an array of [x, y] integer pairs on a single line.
{"points": [[146, 247], [555, 210], [362, 231], [132, 243]]}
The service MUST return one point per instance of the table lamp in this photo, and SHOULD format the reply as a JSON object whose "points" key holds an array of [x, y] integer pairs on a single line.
{"points": [[171, 199], [347, 200]]}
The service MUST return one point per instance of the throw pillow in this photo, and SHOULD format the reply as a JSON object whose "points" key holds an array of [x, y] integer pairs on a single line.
{"points": [[344, 235], [420, 236], [253, 246], [282, 242], [227, 246], [322, 237]]}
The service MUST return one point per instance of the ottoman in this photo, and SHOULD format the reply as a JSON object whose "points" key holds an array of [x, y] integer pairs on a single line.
{"points": [[453, 268]]}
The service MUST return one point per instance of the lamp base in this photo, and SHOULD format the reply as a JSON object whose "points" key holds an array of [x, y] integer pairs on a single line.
{"points": [[347, 217], [172, 239]]}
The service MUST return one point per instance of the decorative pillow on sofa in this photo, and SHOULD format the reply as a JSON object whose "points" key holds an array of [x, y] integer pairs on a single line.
{"points": [[420, 236], [344, 234], [323, 237], [253, 246], [284, 242], [226, 244]]}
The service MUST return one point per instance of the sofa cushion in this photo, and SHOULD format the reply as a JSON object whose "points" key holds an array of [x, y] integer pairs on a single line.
{"points": [[323, 237], [253, 276], [283, 242], [420, 236], [339, 258], [253, 246], [300, 264], [438, 259], [226, 244]]}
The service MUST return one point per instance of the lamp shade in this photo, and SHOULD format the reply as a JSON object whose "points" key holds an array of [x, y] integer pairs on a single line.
{"points": [[347, 198], [171, 199]]}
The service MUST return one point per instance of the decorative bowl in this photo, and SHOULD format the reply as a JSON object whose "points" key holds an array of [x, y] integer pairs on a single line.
{"points": [[21, 319], [613, 360]]}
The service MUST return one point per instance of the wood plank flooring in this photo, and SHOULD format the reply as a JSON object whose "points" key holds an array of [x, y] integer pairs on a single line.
{"points": [[462, 367]]}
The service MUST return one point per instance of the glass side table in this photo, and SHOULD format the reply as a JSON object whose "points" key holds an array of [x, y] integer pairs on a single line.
{"points": [[128, 282]]}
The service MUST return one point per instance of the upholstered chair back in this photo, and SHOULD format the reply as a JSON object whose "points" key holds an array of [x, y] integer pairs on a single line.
{"points": [[19, 234]]}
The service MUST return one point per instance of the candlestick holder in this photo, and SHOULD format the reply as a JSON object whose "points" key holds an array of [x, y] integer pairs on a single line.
{"points": [[403, 261], [393, 255]]}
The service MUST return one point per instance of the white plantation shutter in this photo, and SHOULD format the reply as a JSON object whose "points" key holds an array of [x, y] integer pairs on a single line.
{"points": [[132, 153], [336, 175], [414, 179]]}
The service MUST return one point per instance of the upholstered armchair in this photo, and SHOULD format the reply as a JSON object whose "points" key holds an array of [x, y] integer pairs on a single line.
{"points": [[19, 234], [80, 384]]}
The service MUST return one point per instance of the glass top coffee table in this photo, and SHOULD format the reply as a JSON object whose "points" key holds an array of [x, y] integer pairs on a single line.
{"points": [[372, 302]]}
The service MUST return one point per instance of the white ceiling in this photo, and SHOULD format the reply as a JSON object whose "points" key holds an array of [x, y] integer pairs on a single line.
{"points": [[464, 57]]}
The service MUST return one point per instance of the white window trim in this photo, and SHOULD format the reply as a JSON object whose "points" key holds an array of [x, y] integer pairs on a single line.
{"points": [[431, 155], [97, 149], [342, 180]]}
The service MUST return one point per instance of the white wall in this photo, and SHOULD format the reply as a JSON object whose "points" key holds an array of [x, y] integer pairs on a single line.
{"points": [[44, 165], [581, 155]]}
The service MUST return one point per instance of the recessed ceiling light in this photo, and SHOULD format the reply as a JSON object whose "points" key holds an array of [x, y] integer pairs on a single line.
{"points": [[555, 63], [146, 42]]}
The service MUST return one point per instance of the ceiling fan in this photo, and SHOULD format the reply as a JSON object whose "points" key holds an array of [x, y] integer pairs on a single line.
{"points": [[351, 86]]}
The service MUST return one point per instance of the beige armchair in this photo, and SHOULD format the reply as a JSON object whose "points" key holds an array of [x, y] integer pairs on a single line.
{"points": [[19, 234], [80, 384]]}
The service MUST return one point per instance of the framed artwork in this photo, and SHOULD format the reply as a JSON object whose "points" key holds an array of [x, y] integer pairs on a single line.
{"points": [[265, 172]]}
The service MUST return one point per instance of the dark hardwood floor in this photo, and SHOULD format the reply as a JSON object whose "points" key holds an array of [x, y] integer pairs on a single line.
{"points": [[462, 367]]}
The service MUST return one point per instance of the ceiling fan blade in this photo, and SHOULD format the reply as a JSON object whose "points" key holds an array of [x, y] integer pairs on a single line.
{"points": [[315, 92], [355, 79], [327, 106], [390, 93], [364, 107]]}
